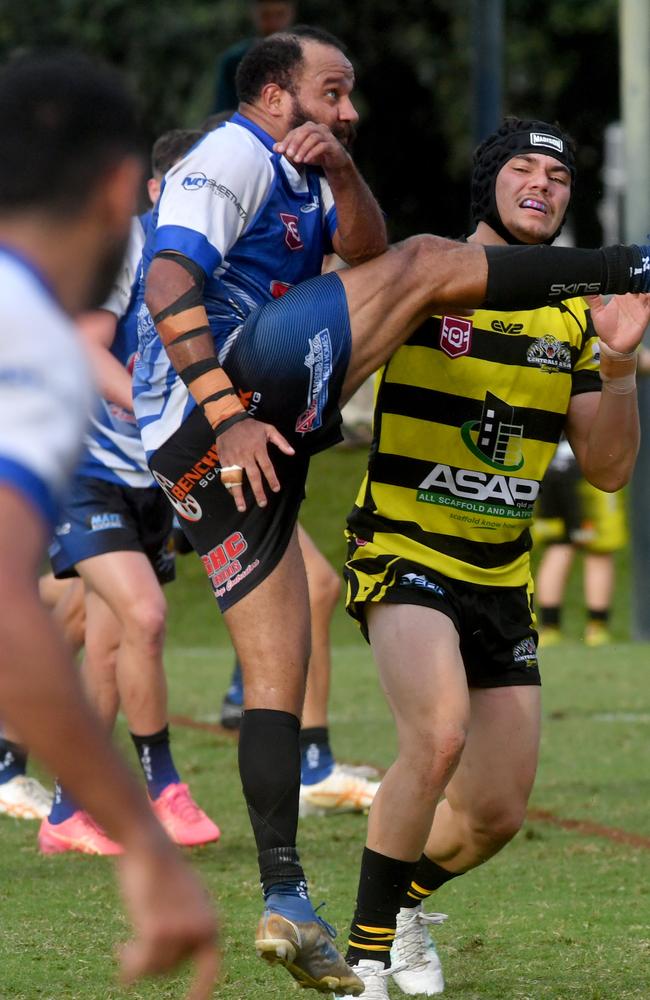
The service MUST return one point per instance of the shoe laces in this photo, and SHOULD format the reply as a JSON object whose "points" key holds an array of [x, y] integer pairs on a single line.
{"points": [[324, 924], [182, 805], [413, 941], [374, 978]]}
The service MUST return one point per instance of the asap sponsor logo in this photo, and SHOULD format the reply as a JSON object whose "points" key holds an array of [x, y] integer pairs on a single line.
{"points": [[497, 495], [224, 566]]}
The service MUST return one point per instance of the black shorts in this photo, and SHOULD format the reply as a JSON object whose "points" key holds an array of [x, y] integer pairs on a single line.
{"points": [[495, 625], [98, 517], [238, 550]]}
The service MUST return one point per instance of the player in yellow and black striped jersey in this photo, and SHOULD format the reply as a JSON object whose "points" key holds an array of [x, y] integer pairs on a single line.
{"points": [[468, 414]]}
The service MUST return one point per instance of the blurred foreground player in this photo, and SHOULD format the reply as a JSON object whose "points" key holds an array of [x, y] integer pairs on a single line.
{"points": [[68, 183], [113, 532]]}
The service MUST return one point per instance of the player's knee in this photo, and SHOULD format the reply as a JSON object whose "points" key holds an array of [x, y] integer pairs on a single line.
{"points": [[147, 619], [494, 823], [434, 756], [325, 590]]}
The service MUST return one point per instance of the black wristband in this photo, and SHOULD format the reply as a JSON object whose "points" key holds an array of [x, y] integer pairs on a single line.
{"points": [[229, 422]]}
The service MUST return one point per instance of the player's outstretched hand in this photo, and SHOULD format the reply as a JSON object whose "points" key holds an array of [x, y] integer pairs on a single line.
{"points": [[620, 323], [244, 446], [314, 145], [172, 918]]}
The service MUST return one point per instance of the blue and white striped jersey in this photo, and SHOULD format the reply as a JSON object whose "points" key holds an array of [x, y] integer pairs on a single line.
{"points": [[113, 446], [45, 388], [254, 224]]}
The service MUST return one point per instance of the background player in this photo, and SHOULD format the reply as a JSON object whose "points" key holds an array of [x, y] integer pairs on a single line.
{"points": [[114, 530], [574, 517], [69, 175], [467, 417]]}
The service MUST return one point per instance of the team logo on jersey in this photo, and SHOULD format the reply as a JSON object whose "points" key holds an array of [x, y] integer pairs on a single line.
{"points": [[495, 438], [455, 336], [319, 362], [525, 652], [279, 288], [292, 234], [185, 505], [549, 354]]}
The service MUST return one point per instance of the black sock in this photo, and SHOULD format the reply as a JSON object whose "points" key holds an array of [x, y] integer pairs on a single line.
{"points": [[598, 615], [382, 882], [155, 756], [428, 877], [550, 616], [269, 766]]}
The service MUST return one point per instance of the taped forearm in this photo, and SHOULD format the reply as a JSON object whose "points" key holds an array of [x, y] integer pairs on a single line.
{"points": [[617, 371], [530, 277], [184, 330]]}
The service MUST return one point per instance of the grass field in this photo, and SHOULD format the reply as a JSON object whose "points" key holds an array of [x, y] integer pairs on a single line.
{"points": [[562, 914]]}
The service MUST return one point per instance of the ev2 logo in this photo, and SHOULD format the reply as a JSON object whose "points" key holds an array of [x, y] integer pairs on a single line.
{"points": [[500, 326]]}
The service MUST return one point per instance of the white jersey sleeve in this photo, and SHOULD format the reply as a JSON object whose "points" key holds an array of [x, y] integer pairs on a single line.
{"points": [[120, 295], [329, 209], [45, 390], [212, 195]]}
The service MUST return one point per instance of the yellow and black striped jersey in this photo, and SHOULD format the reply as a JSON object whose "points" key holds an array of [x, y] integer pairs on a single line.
{"points": [[468, 414]]}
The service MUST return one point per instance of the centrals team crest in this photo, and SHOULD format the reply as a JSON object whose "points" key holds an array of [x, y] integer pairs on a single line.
{"points": [[496, 438], [549, 354]]}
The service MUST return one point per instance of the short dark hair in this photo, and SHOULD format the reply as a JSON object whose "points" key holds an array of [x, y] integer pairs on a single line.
{"points": [[276, 59], [171, 146], [65, 120]]}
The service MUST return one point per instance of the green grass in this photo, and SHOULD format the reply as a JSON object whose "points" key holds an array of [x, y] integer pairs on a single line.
{"points": [[559, 915]]}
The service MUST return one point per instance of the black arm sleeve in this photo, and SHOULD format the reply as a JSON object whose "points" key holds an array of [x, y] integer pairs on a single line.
{"points": [[528, 277]]}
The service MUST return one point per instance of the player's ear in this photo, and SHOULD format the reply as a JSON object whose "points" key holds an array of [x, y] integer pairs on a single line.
{"points": [[275, 101]]}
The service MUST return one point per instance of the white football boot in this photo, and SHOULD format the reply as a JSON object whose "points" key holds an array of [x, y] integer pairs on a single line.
{"points": [[420, 972]]}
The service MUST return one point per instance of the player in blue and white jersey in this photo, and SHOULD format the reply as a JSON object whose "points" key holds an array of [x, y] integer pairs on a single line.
{"points": [[69, 175], [113, 532]]}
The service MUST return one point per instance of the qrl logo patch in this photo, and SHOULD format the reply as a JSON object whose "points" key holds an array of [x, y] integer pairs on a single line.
{"points": [[455, 336], [292, 234]]}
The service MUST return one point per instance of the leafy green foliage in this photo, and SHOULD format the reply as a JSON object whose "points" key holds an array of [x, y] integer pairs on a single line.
{"points": [[413, 63]]}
